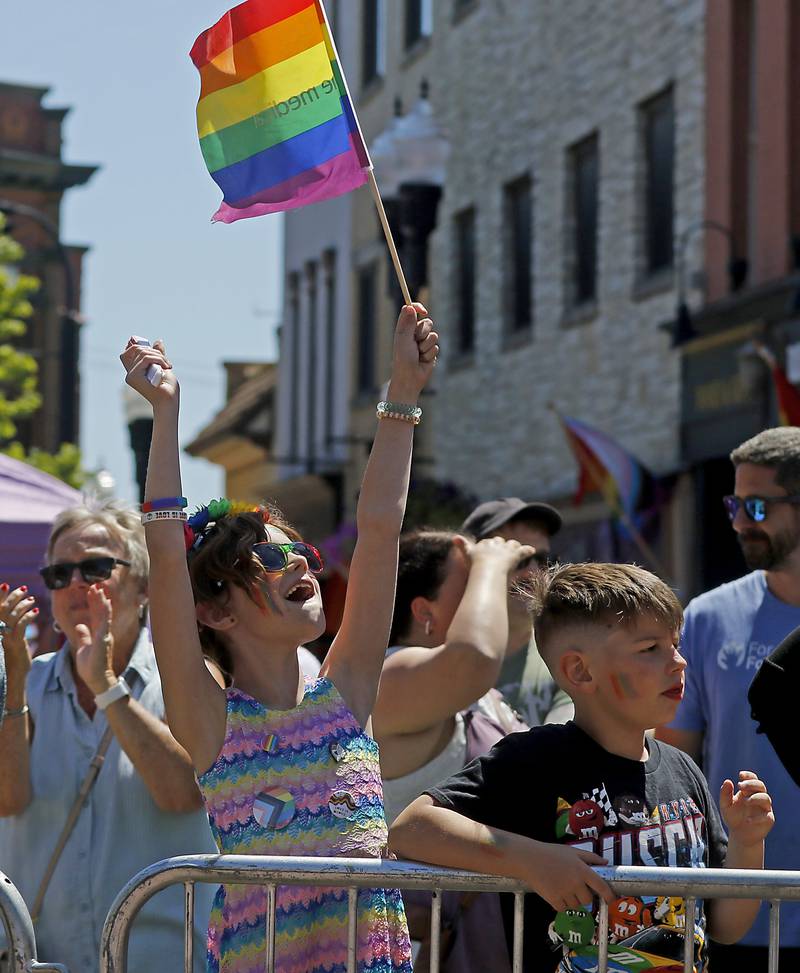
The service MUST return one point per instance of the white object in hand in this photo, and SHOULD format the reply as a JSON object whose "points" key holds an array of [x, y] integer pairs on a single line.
{"points": [[154, 373]]}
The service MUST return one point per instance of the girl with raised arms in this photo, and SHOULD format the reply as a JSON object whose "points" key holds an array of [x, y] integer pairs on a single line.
{"points": [[286, 765]]}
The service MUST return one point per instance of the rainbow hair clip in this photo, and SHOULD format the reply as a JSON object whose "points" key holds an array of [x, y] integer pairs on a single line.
{"points": [[205, 518]]}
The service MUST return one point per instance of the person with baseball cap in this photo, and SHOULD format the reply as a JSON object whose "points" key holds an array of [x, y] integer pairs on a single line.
{"points": [[524, 679]]}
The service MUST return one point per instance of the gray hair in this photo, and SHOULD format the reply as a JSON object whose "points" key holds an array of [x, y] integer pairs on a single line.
{"points": [[121, 522], [777, 448]]}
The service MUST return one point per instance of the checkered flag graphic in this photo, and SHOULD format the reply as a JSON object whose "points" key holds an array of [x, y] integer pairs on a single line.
{"points": [[600, 796]]}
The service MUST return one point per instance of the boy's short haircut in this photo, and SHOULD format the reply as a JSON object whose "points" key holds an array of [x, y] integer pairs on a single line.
{"points": [[585, 594]]}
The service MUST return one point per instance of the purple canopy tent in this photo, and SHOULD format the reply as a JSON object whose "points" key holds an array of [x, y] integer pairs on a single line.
{"points": [[29, 502]]}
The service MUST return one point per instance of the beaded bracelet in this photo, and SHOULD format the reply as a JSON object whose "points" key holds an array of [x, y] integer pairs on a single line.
{"points": [[154, 515], [399, 410], [164, 503]]}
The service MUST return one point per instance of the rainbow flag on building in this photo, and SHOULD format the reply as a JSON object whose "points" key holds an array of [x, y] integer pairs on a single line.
{"points": [[605, 467], [276, 125], [787, 396]]}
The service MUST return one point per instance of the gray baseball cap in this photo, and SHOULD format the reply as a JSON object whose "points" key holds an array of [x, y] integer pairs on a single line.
{"points": [[490, 516]]}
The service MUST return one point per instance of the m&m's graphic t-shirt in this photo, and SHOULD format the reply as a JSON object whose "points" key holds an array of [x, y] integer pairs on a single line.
{"points": [[555, 784]]}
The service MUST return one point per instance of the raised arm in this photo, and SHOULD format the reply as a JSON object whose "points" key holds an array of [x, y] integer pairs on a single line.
{"points": [[356, 655], [17, 610], [188, 686], [474, 648]]}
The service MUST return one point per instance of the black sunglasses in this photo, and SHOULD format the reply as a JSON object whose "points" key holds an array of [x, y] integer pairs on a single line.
{"points": [[754, 507], [275, 557], [541, 559], [92, 569]]}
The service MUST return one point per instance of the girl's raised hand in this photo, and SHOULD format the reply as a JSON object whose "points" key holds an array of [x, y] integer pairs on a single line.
{"points": [[136, 359], [416, 349]]}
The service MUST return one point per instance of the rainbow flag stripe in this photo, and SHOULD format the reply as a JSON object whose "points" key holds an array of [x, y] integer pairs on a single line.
{"points": [[276, 126]]}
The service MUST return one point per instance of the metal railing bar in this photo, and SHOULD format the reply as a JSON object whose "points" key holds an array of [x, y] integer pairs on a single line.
{"points": [[352, 930], [188, 928], [519, 929], [686, 883], [272, 902], [774, 935], [602, 937], [690, 912], [18, 925], [436, 932]]}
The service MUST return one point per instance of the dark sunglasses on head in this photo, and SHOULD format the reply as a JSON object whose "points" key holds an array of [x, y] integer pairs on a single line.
{"points": [[275, 557], [540, 559], [92, 569], [756, 508]]}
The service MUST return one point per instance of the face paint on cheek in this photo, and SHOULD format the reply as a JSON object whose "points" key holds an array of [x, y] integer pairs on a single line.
{"points": [[622, 686], [265, 601]]}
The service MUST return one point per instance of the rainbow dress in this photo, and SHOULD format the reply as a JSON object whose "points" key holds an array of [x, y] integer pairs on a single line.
{"points": [[304, 781]]}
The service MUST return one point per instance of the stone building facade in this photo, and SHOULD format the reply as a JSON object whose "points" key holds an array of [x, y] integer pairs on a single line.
{"points": [[519, 88]]}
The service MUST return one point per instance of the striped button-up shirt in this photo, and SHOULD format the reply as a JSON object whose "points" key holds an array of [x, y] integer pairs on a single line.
{"points": [[119, 831]]}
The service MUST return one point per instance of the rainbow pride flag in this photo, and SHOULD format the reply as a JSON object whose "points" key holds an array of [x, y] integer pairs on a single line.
{"points": [[605, 467], [277, 129]]}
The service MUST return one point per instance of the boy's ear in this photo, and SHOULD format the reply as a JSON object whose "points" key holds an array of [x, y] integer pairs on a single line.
{"points": [[214, 616], [575, 672]]}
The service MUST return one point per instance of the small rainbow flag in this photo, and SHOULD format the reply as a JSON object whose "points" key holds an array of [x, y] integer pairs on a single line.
{"points": [[788, 398], [277, 129], [606, 467]]}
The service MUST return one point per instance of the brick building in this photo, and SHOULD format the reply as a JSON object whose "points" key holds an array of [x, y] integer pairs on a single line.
{"points": [[33, 180]]}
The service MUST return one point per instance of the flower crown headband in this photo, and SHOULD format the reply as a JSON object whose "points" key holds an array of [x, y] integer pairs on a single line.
{"points": [[205, 518]]}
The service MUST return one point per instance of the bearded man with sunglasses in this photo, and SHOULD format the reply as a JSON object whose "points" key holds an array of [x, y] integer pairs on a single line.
{"points": [[102, 685], [728, 632]]}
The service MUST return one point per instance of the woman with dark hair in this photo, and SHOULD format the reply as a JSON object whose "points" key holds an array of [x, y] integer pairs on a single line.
{"points": [[436, 708]]}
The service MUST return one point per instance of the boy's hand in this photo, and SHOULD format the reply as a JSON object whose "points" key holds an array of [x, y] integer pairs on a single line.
{"points": [[509, 553], [416, 349], [136, 359], [747, 812], [563, 876]]}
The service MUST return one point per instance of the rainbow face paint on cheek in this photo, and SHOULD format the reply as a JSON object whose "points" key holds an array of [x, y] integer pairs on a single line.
{"points": [[622, 686]]}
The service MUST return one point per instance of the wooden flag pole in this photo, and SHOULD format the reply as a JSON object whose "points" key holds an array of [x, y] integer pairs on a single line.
{"points": [[387, 232], [613, 502]]}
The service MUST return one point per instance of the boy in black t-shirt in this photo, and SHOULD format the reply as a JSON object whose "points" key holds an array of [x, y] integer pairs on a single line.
{"points": [[546, 805]]}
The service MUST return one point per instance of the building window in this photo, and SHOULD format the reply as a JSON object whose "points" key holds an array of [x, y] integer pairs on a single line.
{"points": [[372, 56], [464, 229], [585, 166], [367, 309], [419, 21], [658, 132], [293, 290], [517, 203]]}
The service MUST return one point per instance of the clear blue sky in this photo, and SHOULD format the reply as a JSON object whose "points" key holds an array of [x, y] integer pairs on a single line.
{"points": [[157, 265]]}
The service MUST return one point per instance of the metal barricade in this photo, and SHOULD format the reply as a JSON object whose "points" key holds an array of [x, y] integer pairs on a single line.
{"points": [[689, 884], [21, 955]]}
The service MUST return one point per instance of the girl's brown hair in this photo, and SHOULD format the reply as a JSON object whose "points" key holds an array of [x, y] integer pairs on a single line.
{"points": [[225, 557]]}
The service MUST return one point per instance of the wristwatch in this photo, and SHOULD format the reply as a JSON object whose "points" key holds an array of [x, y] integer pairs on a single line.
{"points": [[111, 695]]}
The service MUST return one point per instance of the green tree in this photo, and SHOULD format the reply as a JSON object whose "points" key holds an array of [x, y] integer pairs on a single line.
{"points": [[19, 371]]}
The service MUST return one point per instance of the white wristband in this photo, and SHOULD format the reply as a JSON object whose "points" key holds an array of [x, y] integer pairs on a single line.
{"points": [[111, 695], [153, 515]]}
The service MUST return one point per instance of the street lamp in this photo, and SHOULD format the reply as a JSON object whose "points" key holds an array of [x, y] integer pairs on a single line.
{"points": [[70, 324], [139, 420], [683, 329], [410, 159]]}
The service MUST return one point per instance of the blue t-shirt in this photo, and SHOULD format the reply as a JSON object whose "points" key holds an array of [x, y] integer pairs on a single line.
{"points": [[727, 634]]}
